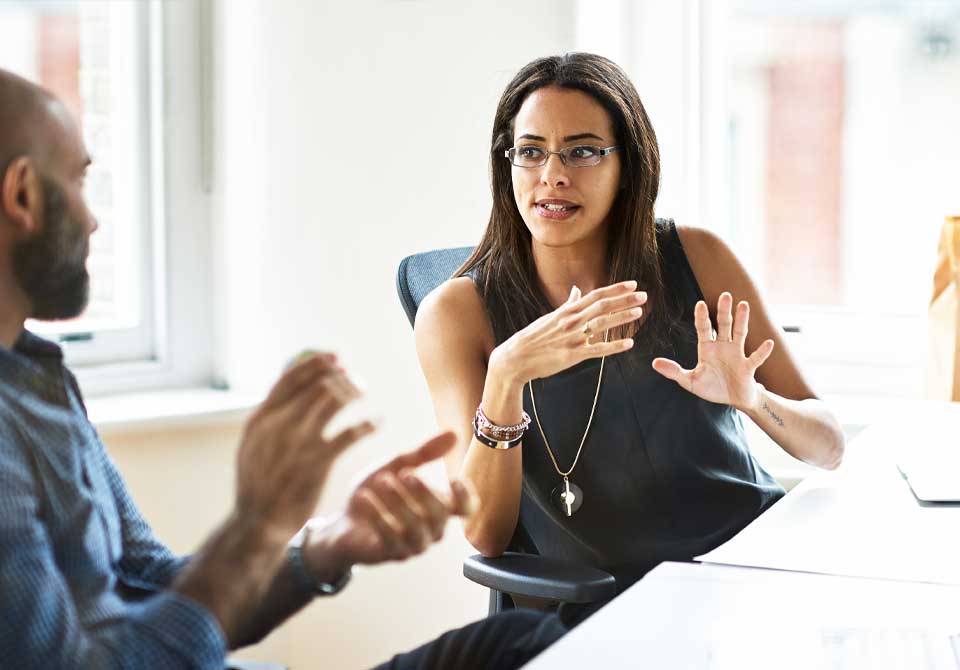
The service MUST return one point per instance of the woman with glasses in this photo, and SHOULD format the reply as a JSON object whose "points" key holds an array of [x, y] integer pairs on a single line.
{"points": [[591, 357]]}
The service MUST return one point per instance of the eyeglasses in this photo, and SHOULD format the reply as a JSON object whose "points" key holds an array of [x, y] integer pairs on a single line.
{"points": [[582, 155]]}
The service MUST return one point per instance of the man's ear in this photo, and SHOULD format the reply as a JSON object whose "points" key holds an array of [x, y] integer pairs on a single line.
{"points": [[21, 196]]}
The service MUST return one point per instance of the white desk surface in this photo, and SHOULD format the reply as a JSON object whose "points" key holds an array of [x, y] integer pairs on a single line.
{"points": [[862, 520], [887, 594], [711, 617]]}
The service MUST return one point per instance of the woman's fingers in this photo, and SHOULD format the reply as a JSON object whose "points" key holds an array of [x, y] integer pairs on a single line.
{"points": [[725, 317], [760, 356], [701, 321], [673, 371], [609, 306], [598, 294], [741, 322], [599, 349], [603, 323]]}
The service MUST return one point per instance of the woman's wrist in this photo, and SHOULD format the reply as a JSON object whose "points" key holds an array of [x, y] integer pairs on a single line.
{"points": [[752, 407], [503, 375], [502, 398]]}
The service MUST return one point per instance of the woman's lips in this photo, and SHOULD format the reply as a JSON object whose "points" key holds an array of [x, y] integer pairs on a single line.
{"points": [[556, 211]]}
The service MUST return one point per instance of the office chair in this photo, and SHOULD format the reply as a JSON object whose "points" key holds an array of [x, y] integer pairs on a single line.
{"points": [[519, 571]]}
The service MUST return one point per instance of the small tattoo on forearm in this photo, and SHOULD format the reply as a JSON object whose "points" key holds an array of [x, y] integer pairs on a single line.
{"points": [[773, 415]]}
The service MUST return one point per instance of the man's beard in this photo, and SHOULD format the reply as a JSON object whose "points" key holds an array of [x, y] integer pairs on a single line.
{"points": [[51, 266]]}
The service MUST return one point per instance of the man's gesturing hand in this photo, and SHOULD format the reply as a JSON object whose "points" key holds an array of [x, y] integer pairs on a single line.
{"points": [[282, 465], [390, 516], [285, 457]]}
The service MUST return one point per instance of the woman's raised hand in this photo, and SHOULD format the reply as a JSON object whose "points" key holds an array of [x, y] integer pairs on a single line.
{"points": [[724, 373], [571, 333]]}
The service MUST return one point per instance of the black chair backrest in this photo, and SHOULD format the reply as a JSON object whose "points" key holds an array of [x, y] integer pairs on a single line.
{"points": [[421, 273]]}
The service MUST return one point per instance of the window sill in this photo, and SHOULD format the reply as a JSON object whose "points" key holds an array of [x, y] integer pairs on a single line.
{"points": [[174, 409], [170, 409]]}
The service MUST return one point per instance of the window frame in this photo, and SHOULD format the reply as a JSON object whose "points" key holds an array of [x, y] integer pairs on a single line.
{"points": [[845, 350], [674, 54], [175, 52], [86, 343]]}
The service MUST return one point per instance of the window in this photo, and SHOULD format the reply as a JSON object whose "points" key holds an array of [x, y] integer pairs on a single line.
{"points": [[819, 139], [132, 73], [835, 163], [92, 56]]}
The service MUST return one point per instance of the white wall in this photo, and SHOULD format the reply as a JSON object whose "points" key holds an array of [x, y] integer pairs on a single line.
{"points": [[348, 135]]}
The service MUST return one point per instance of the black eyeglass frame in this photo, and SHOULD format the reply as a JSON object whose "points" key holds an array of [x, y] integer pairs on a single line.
{"points": [[601, 152]]}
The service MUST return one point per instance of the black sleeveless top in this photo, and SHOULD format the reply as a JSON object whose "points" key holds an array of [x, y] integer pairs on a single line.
{"points": [[665, 475]]}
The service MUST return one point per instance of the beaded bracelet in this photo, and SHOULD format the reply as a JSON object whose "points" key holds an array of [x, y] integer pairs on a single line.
{"points": [[492, 442], [500, 433]]}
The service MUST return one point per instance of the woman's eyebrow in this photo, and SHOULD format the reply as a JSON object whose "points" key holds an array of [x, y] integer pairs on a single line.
{"points": [[582, 136], [568, 138]]}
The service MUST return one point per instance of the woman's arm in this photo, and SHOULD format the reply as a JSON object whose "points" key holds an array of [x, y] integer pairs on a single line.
{"points": [[463, 368], [782, 402], [454, 341]]}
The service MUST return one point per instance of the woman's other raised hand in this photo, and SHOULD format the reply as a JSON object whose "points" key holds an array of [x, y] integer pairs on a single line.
{"points": [[724, 373]]}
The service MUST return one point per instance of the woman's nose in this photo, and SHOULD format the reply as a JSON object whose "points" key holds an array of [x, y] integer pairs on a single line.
{"points": [[554, 172]]}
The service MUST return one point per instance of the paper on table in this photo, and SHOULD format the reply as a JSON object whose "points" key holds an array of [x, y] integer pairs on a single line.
{"points": [[800, 646], [860, 521]]}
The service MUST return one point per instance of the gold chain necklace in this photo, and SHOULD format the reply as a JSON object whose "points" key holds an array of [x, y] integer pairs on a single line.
{"points": [[569, 498]]}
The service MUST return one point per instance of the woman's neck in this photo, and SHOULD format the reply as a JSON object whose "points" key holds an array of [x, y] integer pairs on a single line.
{"points": [[561, 268]]}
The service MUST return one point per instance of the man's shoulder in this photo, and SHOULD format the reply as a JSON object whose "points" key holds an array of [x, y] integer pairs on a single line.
{"points": [[33, 345]]}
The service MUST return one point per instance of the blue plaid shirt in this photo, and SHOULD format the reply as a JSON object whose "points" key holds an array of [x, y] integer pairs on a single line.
{"points": [[82, 577]]}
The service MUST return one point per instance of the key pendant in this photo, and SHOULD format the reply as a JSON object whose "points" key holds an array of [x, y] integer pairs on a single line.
{"points": [[568, 497]]}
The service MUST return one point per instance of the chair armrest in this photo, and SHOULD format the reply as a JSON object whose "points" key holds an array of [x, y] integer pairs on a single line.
{"points": [[539, 577], [237, 664]]}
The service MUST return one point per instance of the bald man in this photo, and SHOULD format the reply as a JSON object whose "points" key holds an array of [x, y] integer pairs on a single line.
{"points": [[85, 583]]}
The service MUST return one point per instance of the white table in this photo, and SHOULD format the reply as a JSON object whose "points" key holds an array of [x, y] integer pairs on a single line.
{"points": [[862, 520], [711, 617], [849, 571]]}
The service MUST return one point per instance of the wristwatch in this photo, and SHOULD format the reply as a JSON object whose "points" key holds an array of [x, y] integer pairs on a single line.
{"points": [[308, 582]]}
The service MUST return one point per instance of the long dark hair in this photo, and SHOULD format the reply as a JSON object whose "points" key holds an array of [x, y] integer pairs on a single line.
{"points": [[502, 264]]}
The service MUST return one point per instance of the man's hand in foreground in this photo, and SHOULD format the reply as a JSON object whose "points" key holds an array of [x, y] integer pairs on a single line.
{"points": [[283, 462], [391, 515]]}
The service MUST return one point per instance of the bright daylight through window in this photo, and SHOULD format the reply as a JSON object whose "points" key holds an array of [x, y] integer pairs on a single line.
{"points": [[839, 163], [92, 55]]}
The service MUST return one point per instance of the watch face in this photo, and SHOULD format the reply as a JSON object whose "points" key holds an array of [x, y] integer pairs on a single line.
{"points": [[309, 582], [334, 587]]}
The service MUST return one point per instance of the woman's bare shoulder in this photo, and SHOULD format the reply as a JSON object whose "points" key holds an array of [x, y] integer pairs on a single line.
{"points": [[700, 242], [714, 264], [455, 309], [457, 297]]}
